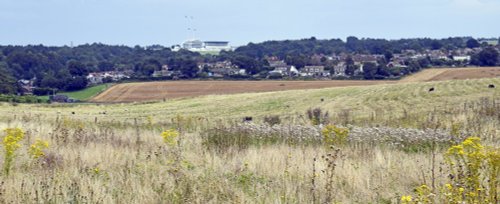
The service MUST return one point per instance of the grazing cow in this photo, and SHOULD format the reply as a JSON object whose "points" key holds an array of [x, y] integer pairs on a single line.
{"points": [[491, 86], [247, 119], [431, 89], [73, 113], [322, 99]]}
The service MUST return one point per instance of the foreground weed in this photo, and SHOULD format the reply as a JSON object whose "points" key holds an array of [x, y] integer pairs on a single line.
{"points": [[333, 135], [474, 173], [170, 137], [36, 150], [317, 116], [11, 143]]}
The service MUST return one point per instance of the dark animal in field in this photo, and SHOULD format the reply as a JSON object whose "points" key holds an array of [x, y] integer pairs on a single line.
{"points": [[73, 113], [247, 119], [491, 86], [322, 99], [431, 89]]}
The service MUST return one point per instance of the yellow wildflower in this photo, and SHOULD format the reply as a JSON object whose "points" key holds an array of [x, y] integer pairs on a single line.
{"points": [[170, 137], [36, 149], [406, 199]]}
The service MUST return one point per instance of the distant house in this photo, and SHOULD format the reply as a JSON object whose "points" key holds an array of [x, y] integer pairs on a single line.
{"points": [[461, 58], [26, 86], [340, 68], [489, 41], [361, 59], [164, 72], [98, 77], [312, 71], [61, 99], [277, 63], [286, 70], [221, 72], [437, 55], [396, 64]]}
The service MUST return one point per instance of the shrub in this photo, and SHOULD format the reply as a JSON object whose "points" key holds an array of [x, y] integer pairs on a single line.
{"points": [[222, 139], [474, 173], [170, 137], [318, 116], [272, 120], [333, 135]]}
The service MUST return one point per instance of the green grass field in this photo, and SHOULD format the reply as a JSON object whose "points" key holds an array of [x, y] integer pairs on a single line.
{"points": [[83, 95]]}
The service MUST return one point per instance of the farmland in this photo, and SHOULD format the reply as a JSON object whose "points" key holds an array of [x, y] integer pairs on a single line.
{"points": [[155, 91], [453, 74], [397, 138], [178, 89]]}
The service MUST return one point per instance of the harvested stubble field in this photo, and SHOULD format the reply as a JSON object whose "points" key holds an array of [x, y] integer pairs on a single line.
{"points": [[150, 91], [155, 91], [397, 136], [453, 74]]}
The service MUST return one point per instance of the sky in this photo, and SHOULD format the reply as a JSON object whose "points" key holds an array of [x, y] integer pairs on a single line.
{"points": [[169, 22]]}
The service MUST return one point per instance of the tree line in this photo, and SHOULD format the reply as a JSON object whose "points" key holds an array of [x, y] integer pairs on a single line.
{"points": [[65, 68]]}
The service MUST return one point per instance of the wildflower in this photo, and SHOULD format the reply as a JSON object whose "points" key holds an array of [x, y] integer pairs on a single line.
{"points": [[406, 199], [11, 144], [170, 137], [448, 186], [36, 149]]}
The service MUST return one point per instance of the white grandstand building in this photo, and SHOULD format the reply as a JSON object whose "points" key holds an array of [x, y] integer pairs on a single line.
{"points": [[196, 45]]}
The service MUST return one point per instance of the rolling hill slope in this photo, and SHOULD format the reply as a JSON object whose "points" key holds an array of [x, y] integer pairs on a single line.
{"points": [[155, 91]]}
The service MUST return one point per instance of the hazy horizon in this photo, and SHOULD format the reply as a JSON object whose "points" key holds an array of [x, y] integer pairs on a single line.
{"points": [[166, 22]]}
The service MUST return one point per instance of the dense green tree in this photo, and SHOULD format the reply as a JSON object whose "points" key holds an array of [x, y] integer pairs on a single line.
{"points": [[369, 70], [105, 66], [388, 56], [298, 61], [352, 43], [76, 83], [436, 45], [350, 66], [77, 68], [8, 83], [251, 65], [472, 43], [488, 57]]}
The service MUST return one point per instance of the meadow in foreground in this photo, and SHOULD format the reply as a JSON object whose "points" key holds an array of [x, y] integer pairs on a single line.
{"points": [[379, 144]]}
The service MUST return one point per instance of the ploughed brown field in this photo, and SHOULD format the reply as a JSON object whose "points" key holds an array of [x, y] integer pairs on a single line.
{"points": [[150, 91], [443, 74]]}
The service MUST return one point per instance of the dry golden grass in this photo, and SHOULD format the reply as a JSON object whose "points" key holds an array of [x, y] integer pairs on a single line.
{"points": [[119, 156]]}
